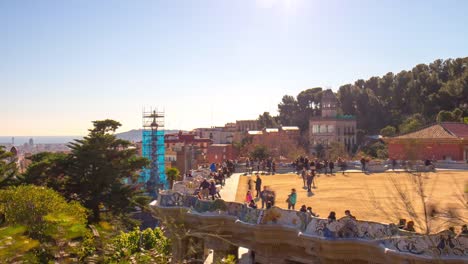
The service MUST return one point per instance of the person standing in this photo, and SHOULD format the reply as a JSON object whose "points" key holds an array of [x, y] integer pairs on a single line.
{"points": [[332, 217], [394, 163], [258, 186], [204, 187], [292, 198], [264, 196], [363, 164], [304, 176], [310, 178], [212, 189], [313, 180], [248, 197], [331, 166]]}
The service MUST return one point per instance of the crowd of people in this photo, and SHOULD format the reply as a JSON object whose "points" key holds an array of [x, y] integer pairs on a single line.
{"points": [[307, 168], [209, 188], [267, 165], [326, 166]]}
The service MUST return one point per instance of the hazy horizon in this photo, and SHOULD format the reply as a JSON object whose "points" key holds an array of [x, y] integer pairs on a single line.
{"points": [[67, 63]]}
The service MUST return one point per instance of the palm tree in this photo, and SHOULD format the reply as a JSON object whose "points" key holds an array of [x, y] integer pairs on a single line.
{"points": [[173, 174]]}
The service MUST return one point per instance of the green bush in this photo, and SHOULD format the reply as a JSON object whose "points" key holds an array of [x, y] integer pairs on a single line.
{"points": [[46, 217], [147, 246]]}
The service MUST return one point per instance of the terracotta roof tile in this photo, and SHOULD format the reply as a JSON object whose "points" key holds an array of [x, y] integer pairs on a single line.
{"points": [[434, 131], [438, 131], [458, 129]]}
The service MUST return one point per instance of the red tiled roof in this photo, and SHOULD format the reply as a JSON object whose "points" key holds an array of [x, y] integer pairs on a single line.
{"points": [[458, 129], [438, 131]]}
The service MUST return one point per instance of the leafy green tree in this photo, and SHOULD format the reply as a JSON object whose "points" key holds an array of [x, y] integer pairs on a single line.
{"points": [[173, 174], [412, 123], [444, 116], [376, 150], [8, 168], [99, 164], [288, 110], [260, 152], [94, 172], [336, 150], [48, 169], [388, 131], [320, 150], [266, 120]]}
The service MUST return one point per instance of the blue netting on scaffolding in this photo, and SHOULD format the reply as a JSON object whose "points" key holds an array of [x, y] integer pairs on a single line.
{"points": [[153, 148]]}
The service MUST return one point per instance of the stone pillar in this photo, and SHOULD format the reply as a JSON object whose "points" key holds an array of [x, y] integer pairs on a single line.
{"points": [[221, 248], [196, 250], [179, 249], [189, 249]]}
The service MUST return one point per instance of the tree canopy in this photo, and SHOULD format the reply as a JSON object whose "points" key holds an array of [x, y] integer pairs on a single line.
{"points": [[94, 172], [406, 100]]}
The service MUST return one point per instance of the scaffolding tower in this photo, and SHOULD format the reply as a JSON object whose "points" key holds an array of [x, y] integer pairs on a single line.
{"points": [[153, 176]]}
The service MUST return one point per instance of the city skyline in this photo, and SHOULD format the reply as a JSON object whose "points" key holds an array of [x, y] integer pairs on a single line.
{"points": [[65, 64]]}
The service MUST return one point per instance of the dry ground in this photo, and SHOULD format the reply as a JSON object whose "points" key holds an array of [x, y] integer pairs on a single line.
{"points": [[373, 197]]}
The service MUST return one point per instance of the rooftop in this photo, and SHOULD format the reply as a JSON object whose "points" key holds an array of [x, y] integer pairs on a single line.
{"points": [[445, 130]]}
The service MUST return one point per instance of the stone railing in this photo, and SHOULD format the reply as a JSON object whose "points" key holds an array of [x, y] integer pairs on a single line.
{"points": [[441, 245]]}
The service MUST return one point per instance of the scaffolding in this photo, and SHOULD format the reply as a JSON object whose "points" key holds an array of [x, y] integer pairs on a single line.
{"points": [[153, 176]]}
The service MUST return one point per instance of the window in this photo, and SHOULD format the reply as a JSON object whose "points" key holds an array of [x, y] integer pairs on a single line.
{"points": [[331, 128], [315, 129], [323, 129], [338, 131]]}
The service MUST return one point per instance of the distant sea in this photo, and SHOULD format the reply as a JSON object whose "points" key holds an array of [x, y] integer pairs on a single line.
{"points": [[38, 139]]}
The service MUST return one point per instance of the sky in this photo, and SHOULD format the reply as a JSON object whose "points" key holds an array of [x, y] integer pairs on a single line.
{"points": [[64, 64]]}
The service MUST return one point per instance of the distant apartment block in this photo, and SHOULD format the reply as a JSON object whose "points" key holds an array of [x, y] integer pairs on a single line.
{"points": [[219, 152], [247, 125], [278, 140], [219, 135]]}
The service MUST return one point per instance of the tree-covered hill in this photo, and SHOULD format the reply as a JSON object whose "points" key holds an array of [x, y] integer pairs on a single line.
{"points": [[406, 100]]}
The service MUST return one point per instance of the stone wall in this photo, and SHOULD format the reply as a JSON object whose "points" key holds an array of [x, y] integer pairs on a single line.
{"points": [[444, 245]]}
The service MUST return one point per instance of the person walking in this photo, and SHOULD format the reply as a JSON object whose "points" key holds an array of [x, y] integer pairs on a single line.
{"points": [[292, 198], [258, 186]]}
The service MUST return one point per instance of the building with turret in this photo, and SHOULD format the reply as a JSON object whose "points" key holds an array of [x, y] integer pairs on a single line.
{"points": [[331, 126]]}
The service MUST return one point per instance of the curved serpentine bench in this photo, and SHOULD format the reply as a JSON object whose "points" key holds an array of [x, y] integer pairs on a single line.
{"points": [[388, 238]]}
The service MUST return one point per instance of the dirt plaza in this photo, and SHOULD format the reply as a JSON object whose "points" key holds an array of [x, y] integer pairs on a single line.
{"points": [[380, 197]]}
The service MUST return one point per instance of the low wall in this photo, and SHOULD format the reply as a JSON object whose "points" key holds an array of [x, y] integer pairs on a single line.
{"points": [[443, 245]]}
